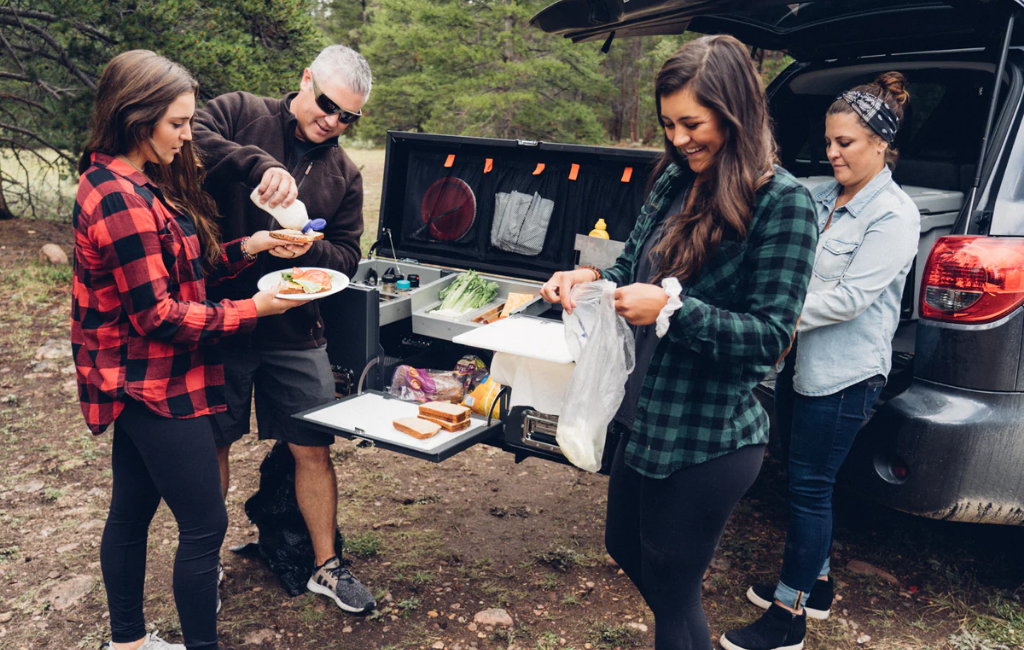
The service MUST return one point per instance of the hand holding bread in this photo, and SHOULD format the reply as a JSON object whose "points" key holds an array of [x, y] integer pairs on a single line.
{"points": [[263, 240], [293, 243]]}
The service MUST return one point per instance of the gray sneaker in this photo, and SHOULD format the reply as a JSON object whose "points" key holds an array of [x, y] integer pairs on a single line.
{"points": [[220, 581], [152, 642], [334, 580]]}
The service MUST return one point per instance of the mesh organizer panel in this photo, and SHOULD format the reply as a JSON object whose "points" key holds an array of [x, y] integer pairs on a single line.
{"points": [[503, 208]]}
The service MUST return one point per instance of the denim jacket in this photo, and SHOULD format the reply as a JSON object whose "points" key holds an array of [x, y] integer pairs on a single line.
{"points": [[853, 302]]}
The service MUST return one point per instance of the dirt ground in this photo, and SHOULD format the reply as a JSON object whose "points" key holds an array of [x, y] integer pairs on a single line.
{"points": [[437, 543]]}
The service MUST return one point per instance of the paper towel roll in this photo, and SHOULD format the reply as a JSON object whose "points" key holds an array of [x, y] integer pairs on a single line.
{"points": [[535, 383]]}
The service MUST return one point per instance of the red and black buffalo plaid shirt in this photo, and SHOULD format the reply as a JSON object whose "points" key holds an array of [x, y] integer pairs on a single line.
{"points": [[140, 318]]}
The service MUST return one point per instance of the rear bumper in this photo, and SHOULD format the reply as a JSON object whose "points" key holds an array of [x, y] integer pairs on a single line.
{"points": [[963, 451]]}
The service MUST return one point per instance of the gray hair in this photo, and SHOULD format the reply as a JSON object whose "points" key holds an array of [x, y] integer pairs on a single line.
{"points": [[345, 65]]}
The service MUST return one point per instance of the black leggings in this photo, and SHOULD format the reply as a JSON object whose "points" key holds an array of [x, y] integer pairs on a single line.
{"points": [[664, 532], [156, 457]]}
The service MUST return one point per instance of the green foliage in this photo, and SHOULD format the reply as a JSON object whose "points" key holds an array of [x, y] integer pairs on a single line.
{"points": [[610, 636], [59, 48], [479, 69], [366, 545]]}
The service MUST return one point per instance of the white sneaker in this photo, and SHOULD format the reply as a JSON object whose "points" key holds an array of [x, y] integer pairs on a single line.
{"points": [[152, 642]]}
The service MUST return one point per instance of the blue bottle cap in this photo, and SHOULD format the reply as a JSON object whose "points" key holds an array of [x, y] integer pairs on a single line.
{"points": [[403, 285]]}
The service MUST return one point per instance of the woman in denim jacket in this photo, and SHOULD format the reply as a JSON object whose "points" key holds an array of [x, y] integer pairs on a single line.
{"points": [[869, 229]]}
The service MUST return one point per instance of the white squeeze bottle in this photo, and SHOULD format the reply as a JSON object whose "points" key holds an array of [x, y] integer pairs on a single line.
{"points": [[294, 216]]}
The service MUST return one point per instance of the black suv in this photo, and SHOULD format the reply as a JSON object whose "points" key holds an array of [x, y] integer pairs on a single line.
{"points": [[947, 438]]}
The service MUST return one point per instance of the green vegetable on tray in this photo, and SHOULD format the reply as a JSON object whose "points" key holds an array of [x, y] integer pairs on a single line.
{"points": [[467, 292]]}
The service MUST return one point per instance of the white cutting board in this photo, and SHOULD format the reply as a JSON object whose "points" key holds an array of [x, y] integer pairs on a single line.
{"points": [[525, 336], [371, 416]]}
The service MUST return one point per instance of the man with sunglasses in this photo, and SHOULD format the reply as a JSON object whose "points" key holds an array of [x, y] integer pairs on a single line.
{"points": [[289, 148]]}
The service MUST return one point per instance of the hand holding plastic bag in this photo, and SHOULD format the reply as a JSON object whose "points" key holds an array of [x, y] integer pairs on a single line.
{"points": [[602, 344]]}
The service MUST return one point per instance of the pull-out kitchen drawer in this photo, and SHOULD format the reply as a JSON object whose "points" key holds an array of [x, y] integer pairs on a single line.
{"points": [[368, 416]]}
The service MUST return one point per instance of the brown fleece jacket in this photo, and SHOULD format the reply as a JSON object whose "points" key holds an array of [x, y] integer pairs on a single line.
{"points": [[240, 136]]}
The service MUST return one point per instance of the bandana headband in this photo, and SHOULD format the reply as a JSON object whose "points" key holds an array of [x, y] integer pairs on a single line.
{"points": [[875, 112]]}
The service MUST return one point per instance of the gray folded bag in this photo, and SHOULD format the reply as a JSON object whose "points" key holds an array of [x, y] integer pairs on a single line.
{"points": [[521, 222]]}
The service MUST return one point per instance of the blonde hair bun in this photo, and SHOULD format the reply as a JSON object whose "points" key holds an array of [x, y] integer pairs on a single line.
{"points": [[895, 84]]}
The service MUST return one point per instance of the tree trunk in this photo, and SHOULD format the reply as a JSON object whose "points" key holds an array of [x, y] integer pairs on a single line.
{"points": [[634, 121], [5, 212]]}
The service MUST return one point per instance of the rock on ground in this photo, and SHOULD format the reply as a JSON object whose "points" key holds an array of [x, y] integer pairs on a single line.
{"points": [[864, 568], [258, 637], [493, 617], [30, 486], [54, 349], [53, 254], [65, 594]]}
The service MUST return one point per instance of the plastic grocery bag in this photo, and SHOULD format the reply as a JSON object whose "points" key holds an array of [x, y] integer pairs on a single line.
{"points": [[284, 541], [603, 346]]}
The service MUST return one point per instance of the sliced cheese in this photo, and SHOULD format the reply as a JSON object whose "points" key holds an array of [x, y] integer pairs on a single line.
{"points": [[515, 301]]}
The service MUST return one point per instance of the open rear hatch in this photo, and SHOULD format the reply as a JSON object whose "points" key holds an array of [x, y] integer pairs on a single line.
{"points": [[807, 30]]}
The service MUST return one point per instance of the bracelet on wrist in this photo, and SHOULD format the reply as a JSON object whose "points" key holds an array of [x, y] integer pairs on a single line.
{"points": [[591, 267], [249, 257]]}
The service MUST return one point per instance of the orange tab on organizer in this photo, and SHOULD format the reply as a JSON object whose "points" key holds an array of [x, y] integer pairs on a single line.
{"points": [[540, 168], [627, 174], [574, 172], [488, 165], [450, 161]]}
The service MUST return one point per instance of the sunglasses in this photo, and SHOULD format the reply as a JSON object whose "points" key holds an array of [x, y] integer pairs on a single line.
{"points": [[329, 107]]}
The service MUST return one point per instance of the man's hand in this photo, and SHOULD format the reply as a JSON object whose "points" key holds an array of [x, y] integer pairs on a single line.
{"points": [[640, 303], [277, 188], [291, 250]]}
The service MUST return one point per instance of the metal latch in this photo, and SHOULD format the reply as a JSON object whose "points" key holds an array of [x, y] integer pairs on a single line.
{"points": [[527, 143], [539, 431]]}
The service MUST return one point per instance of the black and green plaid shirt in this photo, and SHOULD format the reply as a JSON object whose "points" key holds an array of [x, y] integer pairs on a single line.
{"points": [[738, 314]]}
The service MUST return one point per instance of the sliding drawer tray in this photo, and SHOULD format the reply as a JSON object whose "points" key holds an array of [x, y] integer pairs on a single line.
{"points": [[427, 323], [368, 416], [394, 306]]}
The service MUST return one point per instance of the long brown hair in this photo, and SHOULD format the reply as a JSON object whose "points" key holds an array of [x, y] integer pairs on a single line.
{"points": [[721, 76], [133, 96], [891, 88]]}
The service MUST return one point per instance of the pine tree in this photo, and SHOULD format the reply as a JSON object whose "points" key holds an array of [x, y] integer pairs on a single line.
{"points": [[52, 53], [478, 68]]}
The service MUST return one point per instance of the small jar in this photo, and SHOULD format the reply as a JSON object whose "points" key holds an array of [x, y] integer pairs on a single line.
{"points": [[387, 282], [403, 287], [414, 281]]}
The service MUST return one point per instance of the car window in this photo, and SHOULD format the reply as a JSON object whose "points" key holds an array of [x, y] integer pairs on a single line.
{"points": [[941, 101], [1008, 215]]}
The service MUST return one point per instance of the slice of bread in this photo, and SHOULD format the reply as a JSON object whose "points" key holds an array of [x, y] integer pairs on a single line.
{"points": [[297, 236], [290, 288], [417, 427], [448, 426], [445, 411]]}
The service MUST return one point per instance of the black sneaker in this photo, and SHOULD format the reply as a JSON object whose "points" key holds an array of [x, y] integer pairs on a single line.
{"points": [[819, 602], [334, 580], [777, 629]]}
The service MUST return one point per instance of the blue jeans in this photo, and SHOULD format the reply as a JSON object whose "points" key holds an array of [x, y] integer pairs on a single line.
{"points": [[821, 433]]}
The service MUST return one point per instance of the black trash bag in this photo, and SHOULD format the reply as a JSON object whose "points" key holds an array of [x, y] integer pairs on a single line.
{"points": [[284, 541]]}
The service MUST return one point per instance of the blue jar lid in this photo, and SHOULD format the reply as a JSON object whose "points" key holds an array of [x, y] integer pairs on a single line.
{"points": [[403, 284]]}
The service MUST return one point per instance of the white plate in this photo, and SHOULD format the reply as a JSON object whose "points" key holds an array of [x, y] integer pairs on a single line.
{"points": [[338, 282]]}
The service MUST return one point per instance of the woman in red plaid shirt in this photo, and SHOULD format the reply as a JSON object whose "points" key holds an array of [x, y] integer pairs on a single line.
{"points": [[145, 247]]}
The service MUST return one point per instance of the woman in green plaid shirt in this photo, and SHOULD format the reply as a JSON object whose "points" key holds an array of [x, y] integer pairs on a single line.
{"points": [[733, 236]]}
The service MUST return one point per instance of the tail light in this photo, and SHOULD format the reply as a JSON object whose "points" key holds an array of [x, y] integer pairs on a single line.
{"points": [[971, 279]]}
